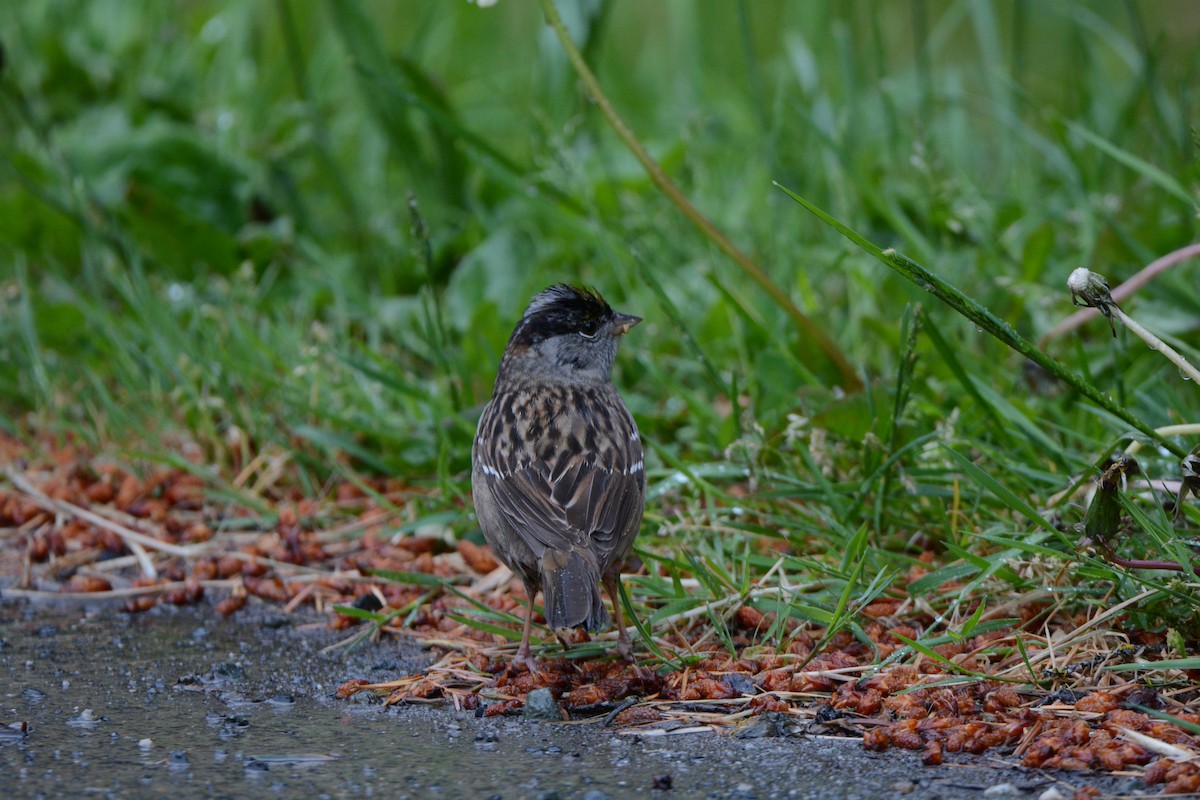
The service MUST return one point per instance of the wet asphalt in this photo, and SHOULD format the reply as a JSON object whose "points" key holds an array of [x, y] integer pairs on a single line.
{"points": [[178, 703]]}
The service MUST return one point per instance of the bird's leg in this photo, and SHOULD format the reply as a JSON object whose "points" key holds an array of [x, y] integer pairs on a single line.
{"points": [[624, 649], [523, 655]]}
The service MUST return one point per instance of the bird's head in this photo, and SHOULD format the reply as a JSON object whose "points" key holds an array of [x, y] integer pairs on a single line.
{"points": [[567, 333]]}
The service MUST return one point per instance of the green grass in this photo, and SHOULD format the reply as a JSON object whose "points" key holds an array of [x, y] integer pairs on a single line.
{"points": [[206, 235]]}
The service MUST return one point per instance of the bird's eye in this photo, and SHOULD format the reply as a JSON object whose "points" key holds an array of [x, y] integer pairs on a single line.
{"points": [[588, 329]]}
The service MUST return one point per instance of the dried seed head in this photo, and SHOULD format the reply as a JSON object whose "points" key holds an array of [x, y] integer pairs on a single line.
{"points": [[1189, 468], [1091, 289], [1190, 465]]}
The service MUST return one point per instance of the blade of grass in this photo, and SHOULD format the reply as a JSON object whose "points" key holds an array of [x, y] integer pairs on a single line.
{"points": [[1155, 666], [1190, 727], [646, 636], [1001, 491], [810, 329], [985, 319], [1142, 167], [928, 651]]}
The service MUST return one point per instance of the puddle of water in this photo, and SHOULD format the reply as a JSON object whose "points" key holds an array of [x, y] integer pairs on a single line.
{"points": [[180, 705]]}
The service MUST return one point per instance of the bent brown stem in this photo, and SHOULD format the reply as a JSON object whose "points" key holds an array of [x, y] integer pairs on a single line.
{"points": [[1130, 563], [849, 378]]}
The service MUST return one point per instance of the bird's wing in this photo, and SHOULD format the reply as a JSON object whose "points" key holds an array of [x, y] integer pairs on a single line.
{"points": [[582, 484]]}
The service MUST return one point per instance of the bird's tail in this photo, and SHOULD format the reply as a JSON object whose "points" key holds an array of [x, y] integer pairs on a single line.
{"points": [[571, 590]]}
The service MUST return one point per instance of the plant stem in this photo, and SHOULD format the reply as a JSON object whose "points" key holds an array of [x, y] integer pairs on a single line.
{"points": [[849, 378], [1188, 429], [1155, 343]]}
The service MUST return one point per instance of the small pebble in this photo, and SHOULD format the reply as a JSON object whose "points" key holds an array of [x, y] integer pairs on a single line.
{"points": [[146, 744], [739, 683], [13, 731], [1052, 793], [540, 705], [904, 787], [1002, 790], [86, 718], [228, 671]]}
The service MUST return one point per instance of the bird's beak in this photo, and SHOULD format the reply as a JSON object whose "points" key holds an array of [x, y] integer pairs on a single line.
{"points": [[623, 323]]}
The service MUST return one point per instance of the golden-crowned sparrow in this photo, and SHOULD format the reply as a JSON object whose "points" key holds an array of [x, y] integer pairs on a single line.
{"points": [[558, 479]]}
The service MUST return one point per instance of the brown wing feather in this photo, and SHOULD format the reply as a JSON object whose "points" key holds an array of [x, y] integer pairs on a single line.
{"points": [[583, 486]]}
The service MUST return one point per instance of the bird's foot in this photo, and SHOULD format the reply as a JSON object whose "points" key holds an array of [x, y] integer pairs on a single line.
{"points": [[525, 659], [625, 649]]}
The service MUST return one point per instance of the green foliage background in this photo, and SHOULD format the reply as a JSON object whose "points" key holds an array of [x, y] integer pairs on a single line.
{"points": [[206, 233]]}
